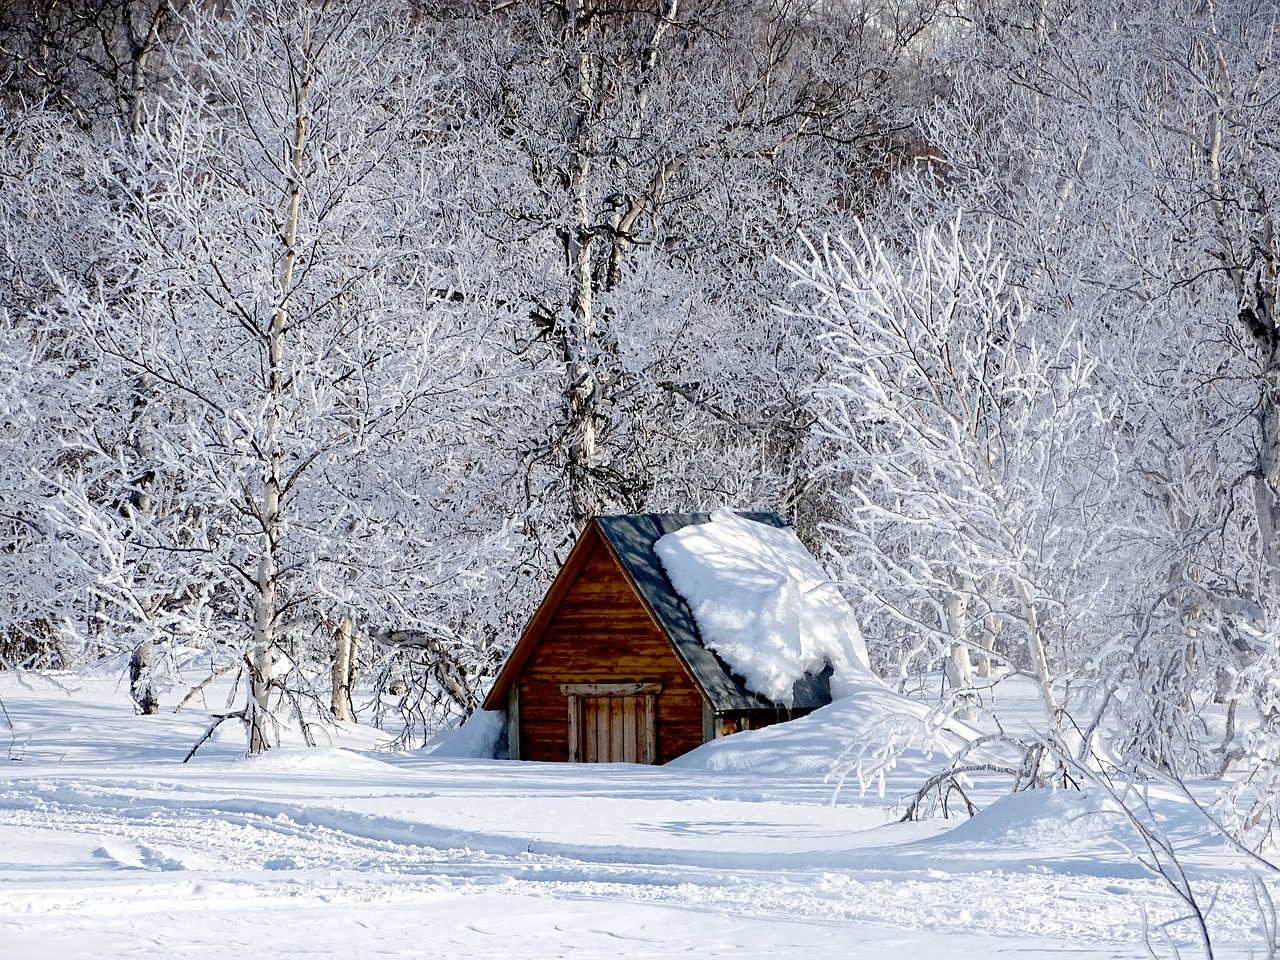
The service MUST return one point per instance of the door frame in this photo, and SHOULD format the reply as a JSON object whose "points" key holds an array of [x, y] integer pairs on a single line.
{"points": [[647, 689]]}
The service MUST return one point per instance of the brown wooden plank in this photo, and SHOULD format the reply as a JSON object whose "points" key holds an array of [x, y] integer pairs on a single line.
{"points": [[595, 612], [604, 743], [605, 609], [617, 746], [573, 728], [573, 634], [611, 669], [605, 670], [587, 642], [649, 747], [548, 702], [631, 669], [631, 731], [590, 726], [571, 669], [610, 689], [539, 743], [601, 730]]}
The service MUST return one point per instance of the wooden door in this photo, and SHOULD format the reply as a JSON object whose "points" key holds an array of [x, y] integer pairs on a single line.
{"points": [[612, 723]]}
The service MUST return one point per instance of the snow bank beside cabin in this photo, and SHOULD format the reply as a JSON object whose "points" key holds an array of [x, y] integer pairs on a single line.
{"points": [[868, 735], [479, 737], [764, 604]]}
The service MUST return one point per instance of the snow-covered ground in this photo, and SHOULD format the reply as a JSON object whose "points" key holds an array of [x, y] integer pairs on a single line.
{"points": [[110, 846]]}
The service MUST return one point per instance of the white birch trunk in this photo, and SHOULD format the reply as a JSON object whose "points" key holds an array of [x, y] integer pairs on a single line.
{"points": [[959, 666], [141, 508], [271, 510], [344, 651], [141, 682], [1250, 256], [582, 388], [990, 630], [1266, 488], [1040, 658]]}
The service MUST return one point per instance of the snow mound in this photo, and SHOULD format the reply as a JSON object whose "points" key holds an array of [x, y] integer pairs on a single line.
{"points": [[862, 737], [1038, 819], [764, 604], [479, 736]]}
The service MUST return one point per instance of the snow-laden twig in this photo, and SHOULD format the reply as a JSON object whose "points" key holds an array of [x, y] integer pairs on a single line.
{"points": [[194, 691]]}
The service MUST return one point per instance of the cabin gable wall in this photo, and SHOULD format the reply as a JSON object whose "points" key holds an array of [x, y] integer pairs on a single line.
{"points": [[601, 633]]}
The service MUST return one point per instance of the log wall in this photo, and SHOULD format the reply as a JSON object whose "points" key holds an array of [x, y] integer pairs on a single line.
{"points": [[601, 633]]}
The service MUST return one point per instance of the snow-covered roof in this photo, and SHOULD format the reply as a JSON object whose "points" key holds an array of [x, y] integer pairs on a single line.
{"points": [[763, 604], [632, 539]]}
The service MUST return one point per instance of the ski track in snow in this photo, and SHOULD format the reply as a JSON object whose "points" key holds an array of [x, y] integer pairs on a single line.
{"points": [[322, 854], [110, 847]]}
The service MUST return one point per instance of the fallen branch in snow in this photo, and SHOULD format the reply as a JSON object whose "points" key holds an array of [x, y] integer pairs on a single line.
{"points": [[295, 701], [949, 781], [444, 666], [14, 753], [1266, 907], [241, 714], [1027, 773]]}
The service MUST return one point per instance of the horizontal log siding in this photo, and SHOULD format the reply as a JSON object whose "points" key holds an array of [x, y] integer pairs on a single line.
{"points": [[601, 633]]}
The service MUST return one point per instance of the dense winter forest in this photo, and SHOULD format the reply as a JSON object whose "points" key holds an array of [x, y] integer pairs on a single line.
{"points": [[326, 325]]}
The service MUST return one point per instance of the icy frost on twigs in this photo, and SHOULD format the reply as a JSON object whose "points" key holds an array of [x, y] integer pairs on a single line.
{"points": [[763, 604]]}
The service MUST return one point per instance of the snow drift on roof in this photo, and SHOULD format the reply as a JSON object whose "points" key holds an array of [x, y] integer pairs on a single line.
{"points": [[763, 604]]}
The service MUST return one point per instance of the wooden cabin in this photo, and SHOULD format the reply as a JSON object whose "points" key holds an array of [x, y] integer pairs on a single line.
{"points": [[611, 669]]}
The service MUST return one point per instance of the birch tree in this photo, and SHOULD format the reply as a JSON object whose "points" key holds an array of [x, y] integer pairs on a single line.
{"points": [[1125, 174], [312, 383], [972, 451], [643, 158], [95, 63]]}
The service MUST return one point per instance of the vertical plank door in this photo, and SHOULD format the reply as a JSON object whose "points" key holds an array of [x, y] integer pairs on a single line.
{"points": [[612, 723]]}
